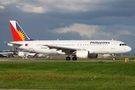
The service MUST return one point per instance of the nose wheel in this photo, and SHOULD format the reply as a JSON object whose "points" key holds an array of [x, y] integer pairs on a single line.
{"points": [[113, 57]]}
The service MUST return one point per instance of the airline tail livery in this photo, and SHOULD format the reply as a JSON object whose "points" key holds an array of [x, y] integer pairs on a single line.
{"points": [[17, 32], [72, 48]]}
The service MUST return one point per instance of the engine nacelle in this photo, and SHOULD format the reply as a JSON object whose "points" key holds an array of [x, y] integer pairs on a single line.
{"points": [[82, 54], [60, 52], [93, 56], [85, 54]]}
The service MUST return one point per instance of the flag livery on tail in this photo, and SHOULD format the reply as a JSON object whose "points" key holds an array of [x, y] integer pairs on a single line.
{"points": [[17, 32]]}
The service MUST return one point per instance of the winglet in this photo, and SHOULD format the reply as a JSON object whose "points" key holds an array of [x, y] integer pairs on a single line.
{"points": [[17, 32]]}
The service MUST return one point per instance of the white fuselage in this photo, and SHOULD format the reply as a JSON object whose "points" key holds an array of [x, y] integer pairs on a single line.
{"points": [[93, 46]]}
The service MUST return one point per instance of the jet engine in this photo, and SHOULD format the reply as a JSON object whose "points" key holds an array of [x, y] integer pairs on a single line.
{"points": [[85, 54]]}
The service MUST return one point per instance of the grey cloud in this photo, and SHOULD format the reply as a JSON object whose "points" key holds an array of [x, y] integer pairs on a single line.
{"points": [[112, 15], [113, 7]]}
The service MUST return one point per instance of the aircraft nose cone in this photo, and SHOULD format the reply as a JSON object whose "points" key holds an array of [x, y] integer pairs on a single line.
{"points": [[129, 49]]}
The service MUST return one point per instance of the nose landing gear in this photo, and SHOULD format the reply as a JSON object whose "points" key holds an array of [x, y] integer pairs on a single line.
{"points": [[113, 57]]}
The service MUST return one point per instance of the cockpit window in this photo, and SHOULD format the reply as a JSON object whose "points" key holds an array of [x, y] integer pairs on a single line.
{"points": [[122, 44]]}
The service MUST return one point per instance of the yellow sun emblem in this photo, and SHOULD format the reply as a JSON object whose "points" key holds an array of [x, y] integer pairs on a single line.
{"points": [[21, 35]]}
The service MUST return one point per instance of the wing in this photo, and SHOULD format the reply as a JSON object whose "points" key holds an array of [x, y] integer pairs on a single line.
{"points": [[64, 49]]}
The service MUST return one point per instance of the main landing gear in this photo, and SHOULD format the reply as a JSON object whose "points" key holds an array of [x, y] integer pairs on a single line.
{"points": [[74, 58]]}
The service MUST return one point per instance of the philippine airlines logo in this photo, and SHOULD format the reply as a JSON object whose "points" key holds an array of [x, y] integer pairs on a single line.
{"points": [[20, 32]]}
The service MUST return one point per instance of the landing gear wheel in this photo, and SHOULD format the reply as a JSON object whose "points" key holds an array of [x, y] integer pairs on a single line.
{"points": [[74, 58], [68, 58], [113, 57]]}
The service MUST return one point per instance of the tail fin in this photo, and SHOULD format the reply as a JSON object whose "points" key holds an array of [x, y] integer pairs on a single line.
{"points": [[17, 32]]}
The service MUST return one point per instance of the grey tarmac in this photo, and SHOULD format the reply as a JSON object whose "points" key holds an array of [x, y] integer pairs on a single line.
{"points": [[38, 60]]}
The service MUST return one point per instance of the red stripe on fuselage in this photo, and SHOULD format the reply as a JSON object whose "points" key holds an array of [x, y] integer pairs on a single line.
{"points": [[15, 35]]}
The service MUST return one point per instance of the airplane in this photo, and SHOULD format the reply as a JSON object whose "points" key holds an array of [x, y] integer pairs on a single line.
{"points": [[72, 48], [6, 53], [26, 54]]}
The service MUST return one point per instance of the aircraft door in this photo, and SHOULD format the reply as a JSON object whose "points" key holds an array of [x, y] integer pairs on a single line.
{"points": [[31, 48], [112, 47]]}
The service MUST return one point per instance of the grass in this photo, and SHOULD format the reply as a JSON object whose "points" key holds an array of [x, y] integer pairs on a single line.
{"points": [[68, 75]]}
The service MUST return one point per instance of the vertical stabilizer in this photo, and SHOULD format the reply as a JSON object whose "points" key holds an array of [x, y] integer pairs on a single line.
{"points": [[17, 32]]}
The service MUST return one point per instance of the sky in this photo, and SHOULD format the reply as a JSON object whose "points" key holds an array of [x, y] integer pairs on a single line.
{"points": [[70, 20]]}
